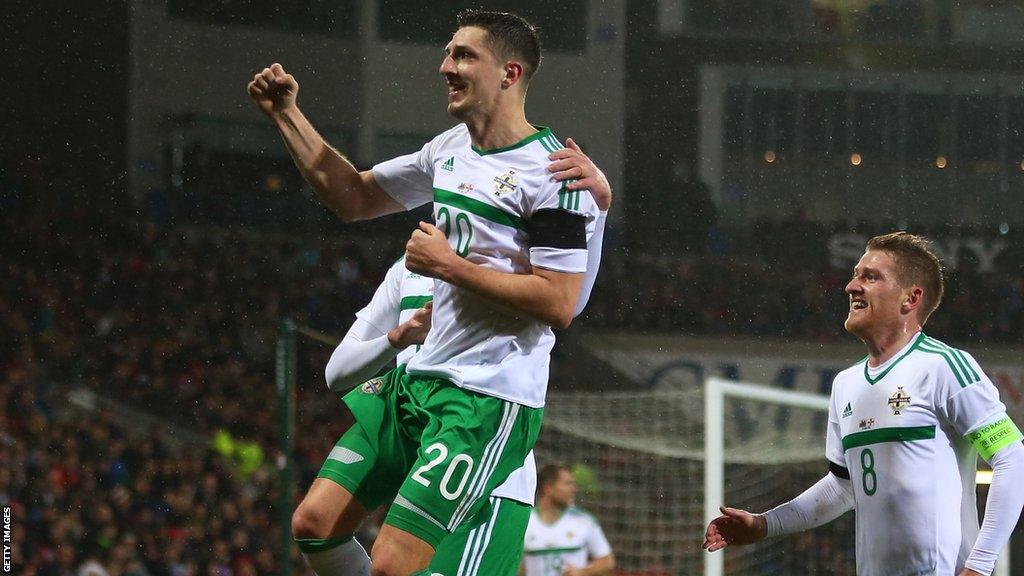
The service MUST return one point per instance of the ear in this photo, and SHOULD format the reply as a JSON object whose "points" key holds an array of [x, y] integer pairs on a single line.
{"points": [[513, 74], [914, 299]]}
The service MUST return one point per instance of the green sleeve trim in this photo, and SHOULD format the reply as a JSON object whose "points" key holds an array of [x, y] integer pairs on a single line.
{"points": [[314, 545], [994, 437]]}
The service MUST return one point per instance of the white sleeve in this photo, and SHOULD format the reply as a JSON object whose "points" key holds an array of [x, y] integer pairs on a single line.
{"points": [[593, 263], [966, 397], [365, 349], [409, 179], [834, 452], [561, 223], [597, 545], [1005, 501], [826, 500]]}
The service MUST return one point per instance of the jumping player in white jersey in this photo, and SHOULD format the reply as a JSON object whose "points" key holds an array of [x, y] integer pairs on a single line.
{"points": [[905, 428], [563, 540], [509, 256], [389, 329]]}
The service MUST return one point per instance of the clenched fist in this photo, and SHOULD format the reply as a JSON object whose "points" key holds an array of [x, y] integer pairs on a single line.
{"points": [[273, 90], [427, 252]]}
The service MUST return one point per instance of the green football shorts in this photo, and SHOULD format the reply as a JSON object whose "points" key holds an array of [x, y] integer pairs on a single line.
{"points": [[490, 544], [436, 449]]}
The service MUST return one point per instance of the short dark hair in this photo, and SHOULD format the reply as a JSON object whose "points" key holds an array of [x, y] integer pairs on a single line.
{"points": [[916, 265], [509, 35], [549, 473]]}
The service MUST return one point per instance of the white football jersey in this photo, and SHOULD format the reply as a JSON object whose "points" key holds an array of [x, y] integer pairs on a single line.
{"points": [[395, 301], [575, 539], [900, 429], [487, 203]]}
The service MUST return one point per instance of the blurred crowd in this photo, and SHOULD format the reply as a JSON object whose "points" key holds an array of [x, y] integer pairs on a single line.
{"points": [[91, 498], [179, 321], [706, 295]]}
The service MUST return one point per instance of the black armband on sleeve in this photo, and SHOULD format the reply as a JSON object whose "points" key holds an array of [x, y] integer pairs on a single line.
{"points": [[557, 228], [838, 470]]}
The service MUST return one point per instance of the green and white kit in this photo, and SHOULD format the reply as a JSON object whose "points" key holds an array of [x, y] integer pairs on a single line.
{"points": [[395, 301], [444, 435], [439, 451], [499, 209], [909, 432], [574, 540]]}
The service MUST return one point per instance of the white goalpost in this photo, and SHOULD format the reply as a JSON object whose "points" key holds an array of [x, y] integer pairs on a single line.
{"points": [[715, 392], [639, 458]]}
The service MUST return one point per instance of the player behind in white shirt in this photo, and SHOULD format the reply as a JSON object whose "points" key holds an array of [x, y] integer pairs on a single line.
{"points": [[561, 539], [905, 428]]}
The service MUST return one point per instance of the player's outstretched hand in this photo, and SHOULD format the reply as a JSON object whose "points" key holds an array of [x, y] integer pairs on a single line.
{"points": [[427, 252], [570, 163], [273, 90], [969, 572], [414, 330], [734, 528]]}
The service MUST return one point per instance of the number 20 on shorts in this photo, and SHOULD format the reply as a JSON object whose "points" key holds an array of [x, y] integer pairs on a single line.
{"points": [[460, 464]]}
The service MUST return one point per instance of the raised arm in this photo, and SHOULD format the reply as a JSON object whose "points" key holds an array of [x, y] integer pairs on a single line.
{"points": [[349, 193]]}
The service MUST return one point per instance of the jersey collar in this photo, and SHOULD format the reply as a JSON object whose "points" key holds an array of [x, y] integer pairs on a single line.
{"points": [[892, 363], [541, 132]]}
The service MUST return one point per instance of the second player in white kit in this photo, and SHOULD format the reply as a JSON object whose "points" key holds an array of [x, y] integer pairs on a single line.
{"points": [[903, 430], [906, 426]]}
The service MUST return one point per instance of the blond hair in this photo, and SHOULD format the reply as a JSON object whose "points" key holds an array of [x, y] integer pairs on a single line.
{"points": [[916, 265]]}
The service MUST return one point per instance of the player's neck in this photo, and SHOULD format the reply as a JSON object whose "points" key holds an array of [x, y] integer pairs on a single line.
{"points": [[549, 511], [500, 128], [882, 347]]}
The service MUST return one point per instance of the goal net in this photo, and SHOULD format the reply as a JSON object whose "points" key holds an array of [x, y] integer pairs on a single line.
{"points": [[640, 463]]}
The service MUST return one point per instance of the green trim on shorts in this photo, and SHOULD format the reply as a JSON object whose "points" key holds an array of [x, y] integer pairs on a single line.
{"points": [[315, 545], [488, 544], [416, 521]]}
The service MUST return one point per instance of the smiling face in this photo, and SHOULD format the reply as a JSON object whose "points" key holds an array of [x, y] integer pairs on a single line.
{"points": [[878, 303], [473, 72]]}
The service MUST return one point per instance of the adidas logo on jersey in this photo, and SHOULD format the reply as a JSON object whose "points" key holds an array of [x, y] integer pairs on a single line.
{"points": [[449, 164], [848, 411]]}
